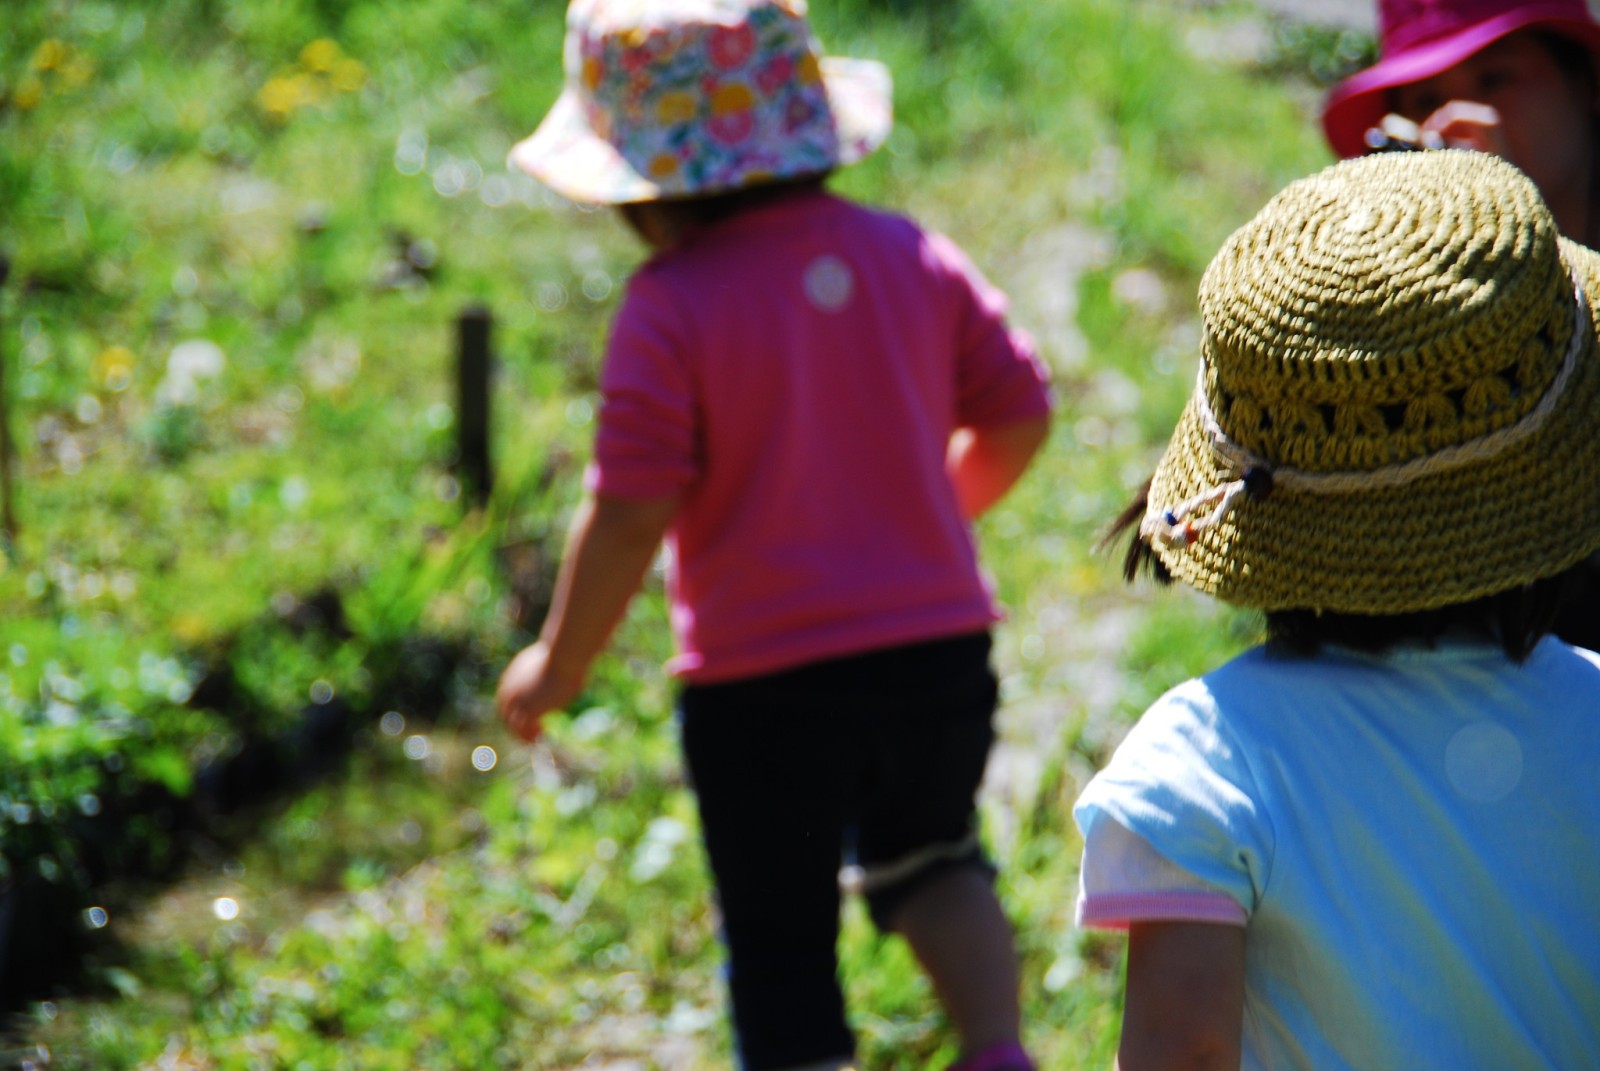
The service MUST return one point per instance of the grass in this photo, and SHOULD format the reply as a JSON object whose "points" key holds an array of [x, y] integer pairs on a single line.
{"points": [[241, 231]]}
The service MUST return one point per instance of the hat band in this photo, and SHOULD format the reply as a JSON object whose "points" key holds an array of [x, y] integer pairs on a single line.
{"points": [[1178, 527]]}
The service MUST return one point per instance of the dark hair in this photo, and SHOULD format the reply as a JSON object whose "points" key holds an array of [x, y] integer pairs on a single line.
{"points": [[1570, 54], [687, 213], [1516, 618], [1140, 557]]}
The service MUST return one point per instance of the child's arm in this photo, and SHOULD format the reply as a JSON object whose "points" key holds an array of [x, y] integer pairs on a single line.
{"points": [[1184, 1005], [985, 462], [610, 545]]}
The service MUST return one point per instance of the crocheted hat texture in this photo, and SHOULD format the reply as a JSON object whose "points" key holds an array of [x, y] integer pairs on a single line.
{"points": [[1398, 394]]}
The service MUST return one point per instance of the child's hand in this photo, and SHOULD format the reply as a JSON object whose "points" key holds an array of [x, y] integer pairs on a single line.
{"points": [[1396, 132], [530, 688], [1465, 124]]}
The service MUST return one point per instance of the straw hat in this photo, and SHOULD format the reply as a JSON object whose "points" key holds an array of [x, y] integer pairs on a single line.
{"points": [[1398, 396], [673, 98], [1421, 38]]}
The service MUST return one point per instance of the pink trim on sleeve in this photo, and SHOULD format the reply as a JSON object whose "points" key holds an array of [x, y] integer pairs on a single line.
{"points": [[1114, 911]]}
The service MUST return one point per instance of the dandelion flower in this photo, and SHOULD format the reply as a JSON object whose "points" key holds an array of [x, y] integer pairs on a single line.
{"points": [[50, 54], [348, 75], [29, 93], [113, 368], [279, 97], [320, 55]]}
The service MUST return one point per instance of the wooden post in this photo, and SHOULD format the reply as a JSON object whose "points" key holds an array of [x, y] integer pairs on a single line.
{"points": [[8, 512], [473, 358]]}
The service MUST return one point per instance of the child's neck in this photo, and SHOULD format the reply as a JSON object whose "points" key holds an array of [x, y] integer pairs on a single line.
{"points": [[668, 223], [658, 227]]}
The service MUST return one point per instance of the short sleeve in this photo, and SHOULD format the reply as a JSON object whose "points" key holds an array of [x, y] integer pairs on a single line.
{"points": [[1001, 378], [647, 444], [1181, 783], [1124, 880]]}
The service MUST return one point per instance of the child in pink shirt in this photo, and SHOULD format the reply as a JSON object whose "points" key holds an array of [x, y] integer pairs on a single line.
{"points": [[810, 400]]}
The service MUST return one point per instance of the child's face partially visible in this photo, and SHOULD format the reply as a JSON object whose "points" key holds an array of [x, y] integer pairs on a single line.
{"points": [[1545, 112]]}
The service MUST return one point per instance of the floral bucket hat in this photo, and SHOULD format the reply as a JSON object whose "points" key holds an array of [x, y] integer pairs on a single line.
{"points": [[1395, 408], [676, 98]]}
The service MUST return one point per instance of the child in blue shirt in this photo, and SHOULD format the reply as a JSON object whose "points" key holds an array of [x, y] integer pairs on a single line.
{"points": [[1370, 843]]}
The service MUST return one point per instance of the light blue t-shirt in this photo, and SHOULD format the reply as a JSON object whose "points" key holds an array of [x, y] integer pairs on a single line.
{"points": [[1414, 838]]}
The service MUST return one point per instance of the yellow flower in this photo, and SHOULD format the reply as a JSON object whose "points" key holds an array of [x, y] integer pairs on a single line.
{"points": [[76, 72], [732, 97], [320, 55], [675, 107], [190, 627], [113, 368], [50, 54], [593, 72], [30, 91], [348, 75], [279, 97], [809, 70], [663, 165]]}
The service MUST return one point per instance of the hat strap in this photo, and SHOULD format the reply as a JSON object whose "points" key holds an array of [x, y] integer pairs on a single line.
{"points": [[1178, 526]]}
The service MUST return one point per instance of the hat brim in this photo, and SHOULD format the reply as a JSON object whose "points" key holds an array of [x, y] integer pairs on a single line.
{"points": [[1360, 102], [1449, 537], [569, 156]]}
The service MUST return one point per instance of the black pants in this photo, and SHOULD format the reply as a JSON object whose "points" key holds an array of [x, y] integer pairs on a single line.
{"points": [[875, 759]]}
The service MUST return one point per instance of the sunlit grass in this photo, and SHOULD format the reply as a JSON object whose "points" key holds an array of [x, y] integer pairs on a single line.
{"points": [[316, 190]]}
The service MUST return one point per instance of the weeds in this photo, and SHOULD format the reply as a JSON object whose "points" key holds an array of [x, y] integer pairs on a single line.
{"points": [[240, 232]]}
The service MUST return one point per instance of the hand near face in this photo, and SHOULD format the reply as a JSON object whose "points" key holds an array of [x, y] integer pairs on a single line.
{"points": [[1465, 124], [1516, 99]]}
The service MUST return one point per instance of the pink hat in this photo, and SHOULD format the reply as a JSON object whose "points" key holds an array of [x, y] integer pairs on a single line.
{"points": [[1421, 38], [672, 98]]}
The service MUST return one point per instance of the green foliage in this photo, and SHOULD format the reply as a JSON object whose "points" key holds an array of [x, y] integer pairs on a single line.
{"points": [[1326, 54], [84, 721], [241, 231], [232, 376]]}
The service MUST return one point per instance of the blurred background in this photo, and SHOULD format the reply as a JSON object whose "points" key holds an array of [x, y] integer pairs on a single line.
{"points": [[297, 384]]}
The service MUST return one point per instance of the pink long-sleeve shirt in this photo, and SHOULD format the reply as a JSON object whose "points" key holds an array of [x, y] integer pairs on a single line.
{"points": [[795, 372]]}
